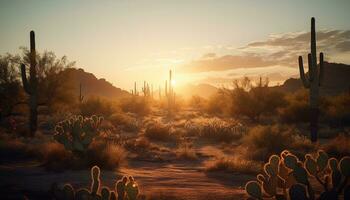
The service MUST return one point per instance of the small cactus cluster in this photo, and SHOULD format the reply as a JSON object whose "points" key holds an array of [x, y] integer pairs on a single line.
{"points": [[286, 177], [125, 189], [78, 132]]}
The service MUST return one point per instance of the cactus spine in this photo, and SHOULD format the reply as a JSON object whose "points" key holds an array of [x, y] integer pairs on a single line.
{"points": [[312, 81], [31, 85]]}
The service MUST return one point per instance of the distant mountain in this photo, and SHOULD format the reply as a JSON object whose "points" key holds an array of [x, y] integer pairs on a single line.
{"points": [[91, 86], [202, 90], [336, 80]]}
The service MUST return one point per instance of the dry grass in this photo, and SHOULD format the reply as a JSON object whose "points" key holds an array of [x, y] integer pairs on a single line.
{"points": [[15, 148], [338, 146], [125, 121], [262, 141], [215, 129], [160, 132], [106, 156], [235, 165], [186, 151]]}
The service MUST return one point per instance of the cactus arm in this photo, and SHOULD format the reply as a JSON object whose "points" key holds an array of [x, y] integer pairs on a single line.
{"points": [[24, 79], [303, 78], [313, 48], [321, 70]]}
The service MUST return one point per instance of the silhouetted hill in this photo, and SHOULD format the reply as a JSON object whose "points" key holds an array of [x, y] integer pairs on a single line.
{"points": [[91, 86], [202, 90], [336, 80]]}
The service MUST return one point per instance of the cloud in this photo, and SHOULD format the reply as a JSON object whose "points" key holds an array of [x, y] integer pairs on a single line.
{"points": [[278, 49]]}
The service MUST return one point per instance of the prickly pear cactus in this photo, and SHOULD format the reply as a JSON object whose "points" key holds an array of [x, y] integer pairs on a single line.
{"points": [[77, 133], [95, 180], [288, 174], [132, 189], [127, 189]]}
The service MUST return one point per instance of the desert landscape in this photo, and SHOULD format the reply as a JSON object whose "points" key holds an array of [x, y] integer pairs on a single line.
{"points": [[218, 127]]}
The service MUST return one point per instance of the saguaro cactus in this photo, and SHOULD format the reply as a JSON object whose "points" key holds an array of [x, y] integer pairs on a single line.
{"points": [[81, 97], [312, 81], [30, 85]]}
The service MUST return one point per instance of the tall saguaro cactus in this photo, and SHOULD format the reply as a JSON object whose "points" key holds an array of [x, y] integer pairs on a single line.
{"points": [[312, 81], [30, 85]]}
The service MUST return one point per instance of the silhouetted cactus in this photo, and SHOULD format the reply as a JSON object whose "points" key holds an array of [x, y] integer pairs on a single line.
{"points": [[287, 173], [77, 133], [312, 81], [125, 190], [81, 97], [30, 85]]}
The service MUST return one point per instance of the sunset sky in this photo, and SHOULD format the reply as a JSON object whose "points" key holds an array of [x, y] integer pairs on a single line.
{"points": [[202, 41]]}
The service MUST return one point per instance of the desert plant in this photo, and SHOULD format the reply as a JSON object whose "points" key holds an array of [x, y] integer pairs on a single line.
{"points": [[288, 174], [31, 86], [77, 133], [312, 81], [81, 97], [125, 188]]}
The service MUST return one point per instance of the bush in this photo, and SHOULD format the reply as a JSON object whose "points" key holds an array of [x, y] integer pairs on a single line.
{"points": [[338, 146], [253, 101], [337, 112], [263, 141], [186, 151], [136, 104], [108, 156], [297, 108], [96, 106], [127, 122], [158, 131], [234, 165]]}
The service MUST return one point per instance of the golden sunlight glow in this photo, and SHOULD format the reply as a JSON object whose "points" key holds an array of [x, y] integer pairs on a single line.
{"points": [[173, 82]]}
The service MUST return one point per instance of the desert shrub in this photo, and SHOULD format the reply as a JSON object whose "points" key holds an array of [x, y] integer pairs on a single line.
{"points": [[263, 141], [215, 129], [96, 106], [108, 156], [297, 108], [186, 151], [217, 104], [127, 122], [15, 148], [198, 103], [156, 130], [253, 101], [338, 146], [222, 131], [136, 104], [56, 158], [337, 112], [234, 165]]}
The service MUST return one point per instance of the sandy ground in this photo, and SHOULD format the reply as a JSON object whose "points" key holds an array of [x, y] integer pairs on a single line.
{"points": [[160, 180]]}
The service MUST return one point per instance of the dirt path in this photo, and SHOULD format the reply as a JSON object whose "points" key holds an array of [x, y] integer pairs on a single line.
{"points": [[183, 180]]}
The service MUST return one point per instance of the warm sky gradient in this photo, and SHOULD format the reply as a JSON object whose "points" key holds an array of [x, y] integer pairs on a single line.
{"points": [[203, 41]]}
